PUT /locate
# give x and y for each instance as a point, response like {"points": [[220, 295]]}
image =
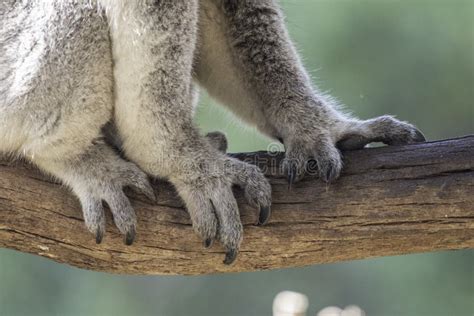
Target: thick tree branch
{"points": [[389, 201]]}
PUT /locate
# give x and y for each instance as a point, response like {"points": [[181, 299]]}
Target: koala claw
{"points": [[99, 235], [230, 256], [329, 169], [208, 243], [129, 236], [148, 191], [404, 133], [291, 175], [418, 136], [264, 215]]}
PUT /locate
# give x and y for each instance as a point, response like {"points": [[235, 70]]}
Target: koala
{"points": [[80, 77]]}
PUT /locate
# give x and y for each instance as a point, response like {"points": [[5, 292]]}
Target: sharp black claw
{"points": [[419, 137], [152, 196], [329, 175], [291, 177], [98, 236], [130, 237], [208, 243], [265, 212], [230, 256], [149, 192]]}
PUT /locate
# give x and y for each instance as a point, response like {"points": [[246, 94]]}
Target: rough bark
{"points": [[389, 201]]}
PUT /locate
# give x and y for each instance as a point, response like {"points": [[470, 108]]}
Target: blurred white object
{"points": [[351, 310], [330, 311], [289, 303]]}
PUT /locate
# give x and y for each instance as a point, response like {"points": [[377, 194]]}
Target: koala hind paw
{"points": [[108, 188]]}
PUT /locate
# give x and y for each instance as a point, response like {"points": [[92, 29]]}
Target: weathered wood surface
{"points": [[389, 201]]}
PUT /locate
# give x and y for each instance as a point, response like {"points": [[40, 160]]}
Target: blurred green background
{"points": [[412, 59]]}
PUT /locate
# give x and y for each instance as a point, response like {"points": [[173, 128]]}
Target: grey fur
{"points": [[75, 72]]}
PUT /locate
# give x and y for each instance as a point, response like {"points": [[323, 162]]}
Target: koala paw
{"points": [[104, 181], [212, 205], [310, 149], [317, 155]]}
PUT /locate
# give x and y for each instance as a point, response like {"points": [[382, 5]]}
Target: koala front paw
{"points": [[312, 149], [212, 205]]}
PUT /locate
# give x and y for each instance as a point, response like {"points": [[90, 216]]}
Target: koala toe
{"points": [[320, 158], [204, 219], [214, 212], [395, 132], [123, 213], [137, 180], [294, 165], [230, 228], [257, 189], [94, 216], [328, 161]]}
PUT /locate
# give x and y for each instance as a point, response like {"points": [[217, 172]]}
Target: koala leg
{"points": [[153, 112], [247, 61]]}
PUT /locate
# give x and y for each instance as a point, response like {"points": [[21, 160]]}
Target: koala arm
{"points": [[247, 61]]}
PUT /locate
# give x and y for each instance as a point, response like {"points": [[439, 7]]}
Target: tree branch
{"points": [[389, 201]]}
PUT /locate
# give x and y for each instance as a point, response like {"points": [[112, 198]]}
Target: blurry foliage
{"points": [[412, 59]]}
